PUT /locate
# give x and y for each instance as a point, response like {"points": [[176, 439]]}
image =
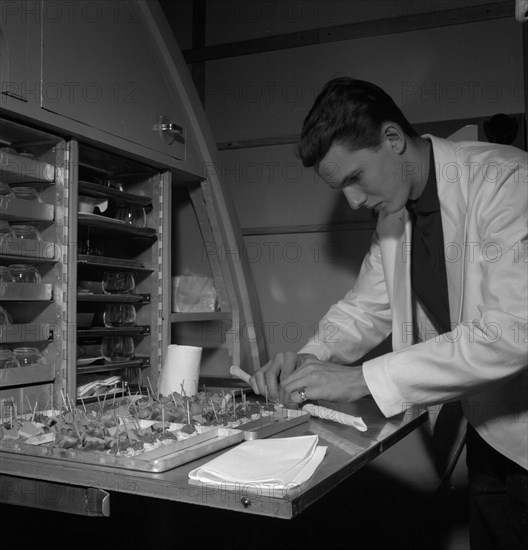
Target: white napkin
{"points": [[89, 389], [279, 463], [336, 416]]}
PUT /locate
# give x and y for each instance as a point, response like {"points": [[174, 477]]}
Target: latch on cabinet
{"points": [[169, 131]]}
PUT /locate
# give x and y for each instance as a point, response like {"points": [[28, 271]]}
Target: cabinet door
{"points": [[100, 69], [20, 53]]}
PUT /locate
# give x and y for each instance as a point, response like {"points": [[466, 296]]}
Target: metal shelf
{"points": [[27, 249], [114, 298], [19, 210], [96, 190], [26, 292], [26, 332], [22, 169], [106, 262], [120, 331], [136, 362], [23, 376], [109, 224], [95, 398], [200, 316]]}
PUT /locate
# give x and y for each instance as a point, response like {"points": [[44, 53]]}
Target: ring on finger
{"points": [[302, 395]]}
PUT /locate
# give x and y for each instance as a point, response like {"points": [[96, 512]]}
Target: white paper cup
{"points": [[181, 370]]}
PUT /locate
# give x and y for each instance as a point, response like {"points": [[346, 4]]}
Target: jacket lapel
{"points": [[395, 244]]}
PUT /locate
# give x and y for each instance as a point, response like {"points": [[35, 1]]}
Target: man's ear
{"points": [[394, 136]]}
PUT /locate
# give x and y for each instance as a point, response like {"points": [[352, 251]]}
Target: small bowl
{"points": [[26, 193], [29, 356], [24, 273], [26, 232], [7, 359]]}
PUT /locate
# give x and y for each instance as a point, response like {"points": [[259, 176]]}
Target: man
{"points": [[446, 273]]}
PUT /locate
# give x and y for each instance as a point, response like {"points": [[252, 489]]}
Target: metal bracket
{"points": [[35, 493]]}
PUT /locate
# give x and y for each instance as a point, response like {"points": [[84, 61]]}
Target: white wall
{"points": [[453, 72]]}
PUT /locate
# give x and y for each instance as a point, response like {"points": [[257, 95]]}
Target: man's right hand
{"points": [[266, 380]]}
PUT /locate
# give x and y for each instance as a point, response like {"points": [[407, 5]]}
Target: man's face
{"points": [[368, 177]]}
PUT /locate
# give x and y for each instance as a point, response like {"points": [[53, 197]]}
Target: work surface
{"points": [[67, 486]]}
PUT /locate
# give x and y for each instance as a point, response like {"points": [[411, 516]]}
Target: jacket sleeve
{"points": [[359, 321], [489, 346]]}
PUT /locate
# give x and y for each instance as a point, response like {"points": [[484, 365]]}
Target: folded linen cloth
{"points": [[276, 462], [91, 388], [336, 416]]}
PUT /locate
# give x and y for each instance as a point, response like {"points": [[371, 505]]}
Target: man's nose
{"points": [[355, 198]]}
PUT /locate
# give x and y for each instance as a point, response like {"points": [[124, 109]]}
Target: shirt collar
{"points": [[428, 201]]}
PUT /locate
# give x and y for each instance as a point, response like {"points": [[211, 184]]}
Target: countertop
{"points": [[86, 489]]}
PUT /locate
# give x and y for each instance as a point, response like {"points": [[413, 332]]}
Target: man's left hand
{"points": [[322, 380]]}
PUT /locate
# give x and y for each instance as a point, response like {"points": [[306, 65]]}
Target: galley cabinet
{"points": [[89, 162]]}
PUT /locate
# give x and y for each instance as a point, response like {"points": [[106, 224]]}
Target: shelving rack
{"points": [[36, 159], [119, 247]]}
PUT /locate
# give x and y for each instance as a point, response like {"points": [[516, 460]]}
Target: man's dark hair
{"points": [[350, 112]]}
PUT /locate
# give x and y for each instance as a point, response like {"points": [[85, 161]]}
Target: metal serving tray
{"points": [[276, 422], [161, 459]]}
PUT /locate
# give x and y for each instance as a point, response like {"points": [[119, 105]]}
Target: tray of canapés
{"points": [[142, 432]]}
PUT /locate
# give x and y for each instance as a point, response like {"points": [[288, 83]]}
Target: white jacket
{"points": [[483, 361]]}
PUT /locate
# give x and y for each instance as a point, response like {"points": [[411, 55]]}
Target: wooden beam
{"points": [[440, 128], [257, 142], [314, 228], [199, 29], [350, 31], [525, 65]]}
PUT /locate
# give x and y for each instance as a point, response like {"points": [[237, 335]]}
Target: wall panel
{"points": [[270, 187], [298, 276], [435, 74]]}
